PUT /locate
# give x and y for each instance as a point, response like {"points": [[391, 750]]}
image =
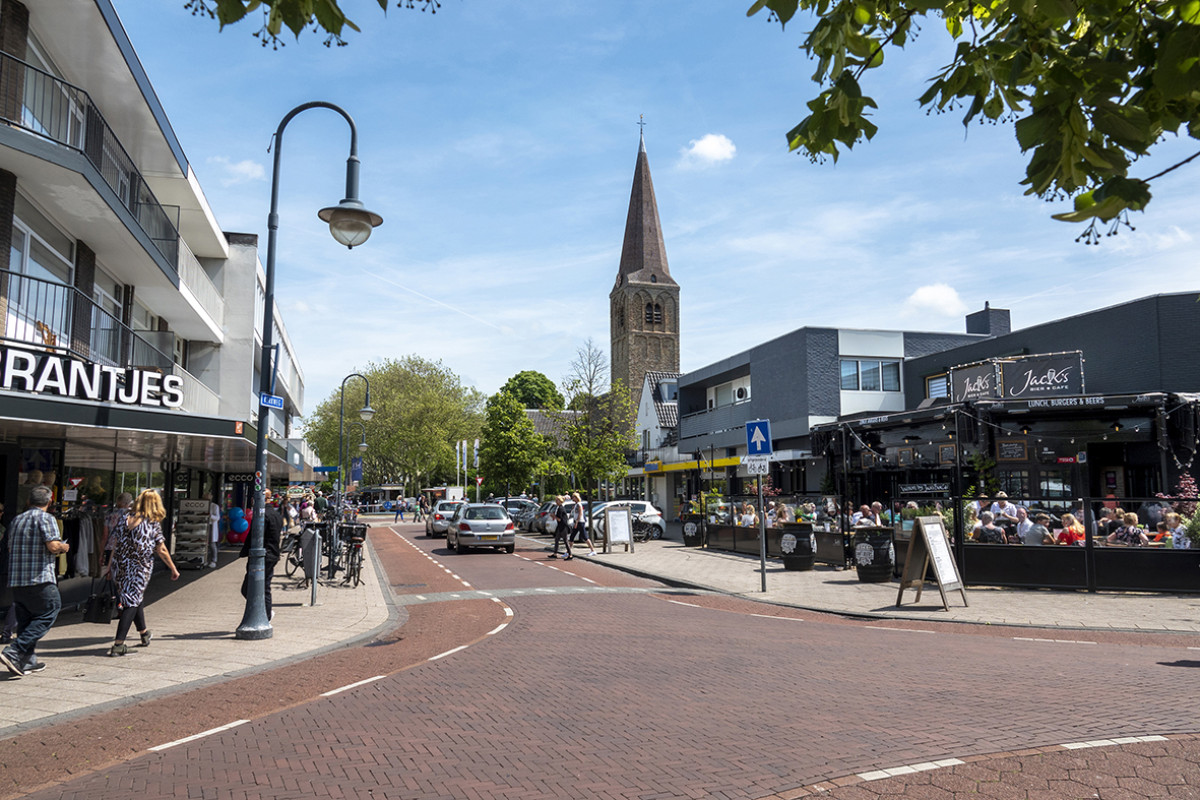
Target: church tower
{"points": [[644, 303]]}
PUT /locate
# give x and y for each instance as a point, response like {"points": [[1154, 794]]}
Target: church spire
{"points": [[643, 254]]}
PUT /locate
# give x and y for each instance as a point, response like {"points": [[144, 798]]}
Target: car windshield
{"points": [[488, 512], [448, 506]]}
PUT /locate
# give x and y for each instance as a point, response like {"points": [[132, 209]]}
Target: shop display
{"points": [[191, 534]]}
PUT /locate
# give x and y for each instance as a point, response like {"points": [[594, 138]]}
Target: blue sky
{"points": [[498, 141]]}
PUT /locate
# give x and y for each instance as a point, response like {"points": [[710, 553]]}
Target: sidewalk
{"points": [[193, 622], [826, 588]]}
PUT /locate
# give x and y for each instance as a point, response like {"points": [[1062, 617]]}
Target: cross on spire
{"points": [[642, 132]]}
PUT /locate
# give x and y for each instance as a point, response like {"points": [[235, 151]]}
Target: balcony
{"points": [[193, 278], [42, 104], [53, 316]]}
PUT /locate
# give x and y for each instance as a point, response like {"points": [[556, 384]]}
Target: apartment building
{"points": [[131, 322]]}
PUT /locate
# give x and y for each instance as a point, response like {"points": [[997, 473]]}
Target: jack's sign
{"points": [[63, 376]]}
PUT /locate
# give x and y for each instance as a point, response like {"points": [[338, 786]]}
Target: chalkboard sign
{"points": [[1007, 450], [618, 527], [929, 546]]}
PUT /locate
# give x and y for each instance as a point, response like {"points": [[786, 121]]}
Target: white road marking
{"points": [[772, 616], [689, 605], [201, 735], [589, 580], [449, 652], [1059, 641], [332, 692], [905, 630], [498, 629]]}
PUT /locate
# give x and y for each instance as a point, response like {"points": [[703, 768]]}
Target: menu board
{"points": [[930, 547], [1011, 450], [618, 527]]}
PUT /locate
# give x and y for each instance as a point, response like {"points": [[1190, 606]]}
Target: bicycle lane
{"points": [[53, 753]]}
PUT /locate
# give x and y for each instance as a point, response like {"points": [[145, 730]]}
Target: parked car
{"points": [[481, 525], [514, 505], [638, 511], [538, 524], [437, 519], [524, 518]]}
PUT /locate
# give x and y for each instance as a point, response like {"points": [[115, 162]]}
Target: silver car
{"points": [[481, 525], [437, 519]]}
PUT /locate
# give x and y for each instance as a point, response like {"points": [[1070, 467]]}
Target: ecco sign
{"points": [[62, 376]]}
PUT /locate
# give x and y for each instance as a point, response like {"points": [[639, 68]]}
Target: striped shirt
{"points": [[29, 562]]}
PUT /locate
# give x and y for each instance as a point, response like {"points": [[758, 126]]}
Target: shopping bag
{"points": [[101, 606]]}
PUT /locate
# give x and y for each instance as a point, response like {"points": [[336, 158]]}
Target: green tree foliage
{"points": [[534, 390], [511, 449], [602, 435], [421, 409], [296, 15], [1088, 85]]}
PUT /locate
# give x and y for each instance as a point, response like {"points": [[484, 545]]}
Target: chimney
{"points": [[990, 321]]}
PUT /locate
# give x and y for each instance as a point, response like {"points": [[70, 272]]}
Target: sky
{"points": [[498, 141]]}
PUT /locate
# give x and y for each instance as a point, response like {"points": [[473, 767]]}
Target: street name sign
{"points": [[270, 400]]}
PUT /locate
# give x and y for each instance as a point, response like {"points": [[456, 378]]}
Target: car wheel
{"points": [[510, 549], [461, 549], [449, 544]]}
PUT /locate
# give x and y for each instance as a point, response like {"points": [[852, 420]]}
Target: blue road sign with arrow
{"points": [[758, 437]]}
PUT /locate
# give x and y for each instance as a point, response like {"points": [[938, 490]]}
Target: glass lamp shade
{"points": [[366, 412], [350, 223], [362, 446]]}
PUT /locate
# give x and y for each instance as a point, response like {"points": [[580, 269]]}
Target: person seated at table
{"points": [[748, 519], [1161, 535], [1129, 533], [783, 515], [1024, 523], [1002, 510], [1179, 537], [1072, 530], [1100, 525], [987, 532], [1039, 532]]}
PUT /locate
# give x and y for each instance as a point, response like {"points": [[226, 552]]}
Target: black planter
{"points": [[798, 544], [874, 554], [693, 529]]}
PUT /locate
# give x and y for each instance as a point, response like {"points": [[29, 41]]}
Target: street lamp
{"points": [[366, 413], [351, 225]]}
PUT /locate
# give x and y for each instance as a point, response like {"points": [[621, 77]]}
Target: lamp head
{"points": [[349, 222], [362, 446], [366, 412]]}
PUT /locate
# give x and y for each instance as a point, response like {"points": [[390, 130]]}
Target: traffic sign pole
{"points": [[762, 534]]}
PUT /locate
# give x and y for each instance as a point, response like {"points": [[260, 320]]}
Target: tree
{"points": [[602, 435], [296, 15], [534, 390], [1088, 85], [421, 409], [511, 449]]}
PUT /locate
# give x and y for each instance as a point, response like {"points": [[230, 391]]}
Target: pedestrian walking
{"points": [[138, 539], [562, 528], [33, 549], [399, 511], [581, 532]]}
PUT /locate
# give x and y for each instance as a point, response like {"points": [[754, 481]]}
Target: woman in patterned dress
{"points": [[139, 538]]}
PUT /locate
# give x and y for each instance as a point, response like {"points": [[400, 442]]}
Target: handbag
{"points": [[101, 606]]}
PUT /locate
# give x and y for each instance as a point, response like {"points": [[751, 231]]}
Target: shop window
{"points": [[1013, 482], [870, 375], [1054, 485]]}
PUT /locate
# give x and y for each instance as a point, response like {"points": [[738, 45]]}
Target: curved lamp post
{"points": [[366, 412], [351, 225]]}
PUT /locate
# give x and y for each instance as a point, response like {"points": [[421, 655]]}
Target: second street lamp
{"points": [[350, 224]]}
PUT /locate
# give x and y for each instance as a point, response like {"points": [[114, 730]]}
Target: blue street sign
{"points": [[270, 401], [758, 437], [325, 469]]}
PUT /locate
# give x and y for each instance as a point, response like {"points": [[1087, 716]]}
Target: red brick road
{"points": [[623, 695]]}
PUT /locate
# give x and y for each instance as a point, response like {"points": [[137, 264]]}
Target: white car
{"points": [[639, 511]]}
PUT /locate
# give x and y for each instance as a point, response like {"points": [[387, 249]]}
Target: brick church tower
{"points": [[644, 303]]}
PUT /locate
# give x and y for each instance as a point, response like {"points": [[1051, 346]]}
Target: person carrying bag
{"points": [[101, 606]]}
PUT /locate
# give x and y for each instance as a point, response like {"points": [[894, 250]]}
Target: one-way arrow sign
{"points": [[758, 437]]}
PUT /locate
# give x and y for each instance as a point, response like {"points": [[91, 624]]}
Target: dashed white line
{"points": [[201, 735], [689, 605], [589, 580], [772, 616], [349, 686], [508, 612], [905, 630], [1111, 742], [448, 652], [1059, 641], [501, 627]]}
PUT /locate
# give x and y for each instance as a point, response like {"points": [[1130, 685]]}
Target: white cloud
{"points": [[243, 171], [710, 149], [934, 300]]}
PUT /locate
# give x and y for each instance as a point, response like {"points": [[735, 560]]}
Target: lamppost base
{"points": [[250, 632]]}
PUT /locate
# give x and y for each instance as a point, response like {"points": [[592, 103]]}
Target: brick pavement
{"points": [[635, 696]]}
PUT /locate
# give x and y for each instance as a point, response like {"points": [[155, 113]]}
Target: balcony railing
{"points": [[54, 316], [193, 276], [42, 104]]}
